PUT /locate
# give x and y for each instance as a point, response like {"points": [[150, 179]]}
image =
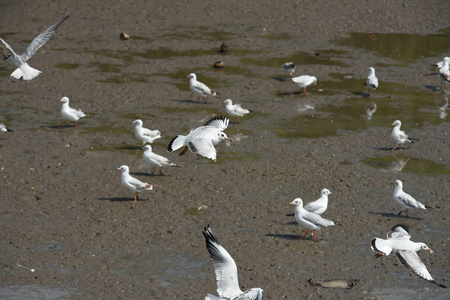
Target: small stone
{"points": [[124, 36]]}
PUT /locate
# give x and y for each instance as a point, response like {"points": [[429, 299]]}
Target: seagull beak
{"points": [[429, 250], [391, 183], [187, 77], [291, 203], [331, 193], [117, 169], [228, 139], [131, 122], [392, 124]]}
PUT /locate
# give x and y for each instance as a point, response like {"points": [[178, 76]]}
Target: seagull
{"points": [[288, 68], [372, 80], [304, 81], [226, 273], [201, 141], [144, 134], [399, 136], [132, 183], [444, 72], [399, 242], [235, 109], [320, 205], [70, 114], [156, 160], [23, 70], [199, 88], [403, 199], [309, 220], [3, 128], [441, 63]]}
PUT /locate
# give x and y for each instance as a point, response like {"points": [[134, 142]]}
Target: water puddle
{"points": [[67, 66], [403, 163], [404, 48]]}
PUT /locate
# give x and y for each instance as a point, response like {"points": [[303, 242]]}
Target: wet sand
{"points": [[69, 228]]}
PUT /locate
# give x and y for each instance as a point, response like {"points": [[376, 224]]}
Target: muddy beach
{"points": [[69, 229]]}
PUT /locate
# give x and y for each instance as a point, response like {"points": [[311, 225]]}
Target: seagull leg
{"points": [[394, 148], [75, 124], [315, 239], [135, 197], [60, 126], [306, 93], [403, 211], [306, 233], [184, 151], [160, 172], [378, 255]]}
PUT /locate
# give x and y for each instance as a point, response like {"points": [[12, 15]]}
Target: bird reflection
{"points": [[398, 164], [371, 108], [442, 106]]}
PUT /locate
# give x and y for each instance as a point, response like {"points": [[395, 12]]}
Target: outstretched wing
{"points": [[40, 40], [203, 147], [399, 231], [411, 261], [220, 122], [224, 266]]}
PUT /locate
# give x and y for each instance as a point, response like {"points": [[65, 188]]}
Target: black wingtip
{"points": [[220, 118], [404, 226], [169, 147]]}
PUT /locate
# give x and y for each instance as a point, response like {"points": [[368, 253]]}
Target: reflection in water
{"points": [[371, 108], [304, 108], [442, 106], [398, 164]]}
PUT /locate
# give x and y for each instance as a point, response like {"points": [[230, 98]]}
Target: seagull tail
{"points": [[381, 246], [25, 72], [176, 143]]}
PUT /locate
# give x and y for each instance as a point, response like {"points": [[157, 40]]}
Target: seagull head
{"points": [[397, 183], [222, 136], [228, 101], [424, 247], [397, 123], [137, 122], [64, 100], [122, 168], [192, 76], [147, 148], [297, 202], [326, 192]]}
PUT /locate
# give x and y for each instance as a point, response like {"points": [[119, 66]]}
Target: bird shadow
{"points": [[128, 148], [284, 236], [148, 174], [391, 215], [117, 199], [433, 88], [190, 101], [57, 126], [281, 79], [390, 149]]}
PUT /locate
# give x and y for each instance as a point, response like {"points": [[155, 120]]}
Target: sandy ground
{"points": [[69, 230]]}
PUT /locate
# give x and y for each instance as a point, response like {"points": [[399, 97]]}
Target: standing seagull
{"points": [[226, 273], [444, 72], [199, 87], [320, 205], [399, 136], [309, 220], [144, 134], [202, 140], [304, 81], [235, 109], [23, 70], [288, 68], [372, 80], [3, 128], [403, 199], [132, 183], [156, 160], [399, 242], [70, 114]]}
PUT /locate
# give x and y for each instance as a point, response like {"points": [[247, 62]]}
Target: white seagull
{"points": [[403, 199], [444, 72], [399, 242], [399, 136], [304, 81], [441, 63], [156, 160], [144, 134], [70, 114], [199, 87], [23, 70], [235, 110], [3, 128], [372, 80], [320, 205], [309, 220], [132, 183], [288, 68], [226, 273], [202, 140]]}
